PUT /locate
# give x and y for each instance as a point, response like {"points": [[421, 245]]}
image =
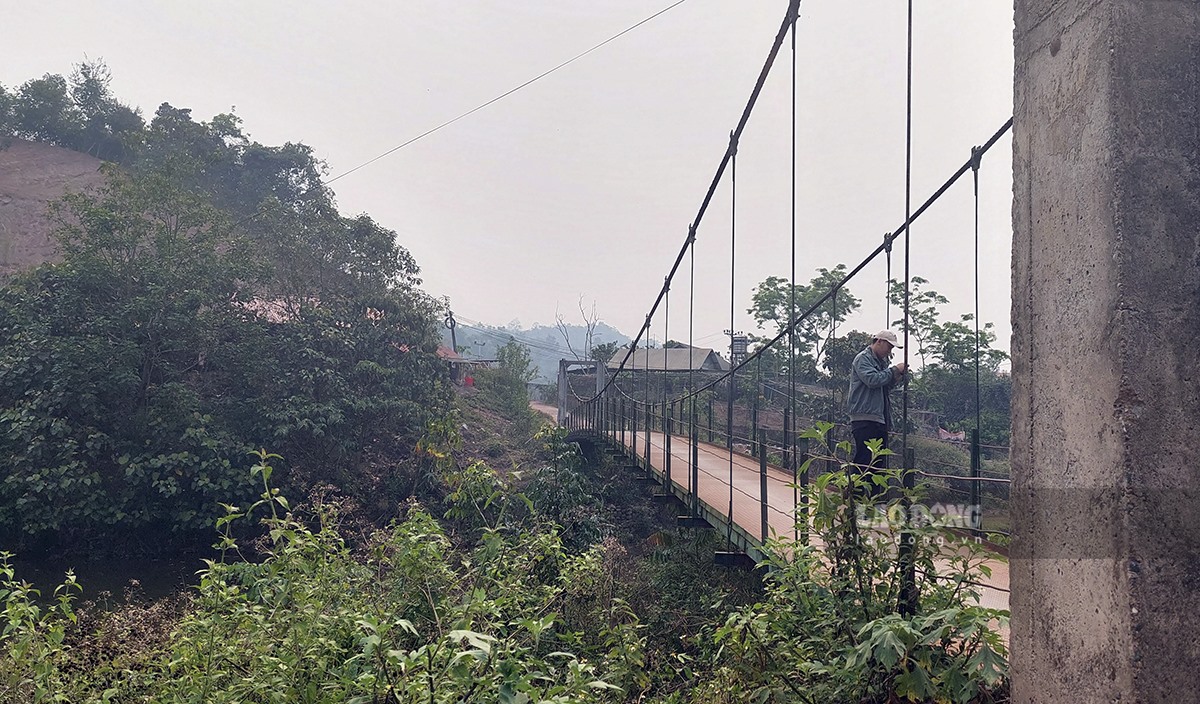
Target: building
{"points": [[670, 359]]}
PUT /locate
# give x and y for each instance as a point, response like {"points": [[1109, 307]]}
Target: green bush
{"points": [[502, 609], [506, 387], [832, 628], [136, 373], [409, 619]]}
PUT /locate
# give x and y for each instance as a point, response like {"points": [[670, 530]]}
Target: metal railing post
{"points": [[729, 413], [755, 431], [800, 478], [649, 423], [788, 450], [667, 446], [633, 421], [762, 482], [624, 423], [909, 597], [710, 418], [695, 464], [976, 499], [603, 410]]}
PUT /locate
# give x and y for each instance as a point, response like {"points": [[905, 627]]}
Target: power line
{"points": [[501, 334], [504, 336], [507, 93]]}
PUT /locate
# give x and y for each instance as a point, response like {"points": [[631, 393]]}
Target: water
{"points": [[154, 578]]}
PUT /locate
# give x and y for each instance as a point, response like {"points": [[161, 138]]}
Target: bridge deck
{"points": [[744, 501], [717, 502]]}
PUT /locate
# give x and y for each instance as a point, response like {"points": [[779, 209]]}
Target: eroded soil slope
{"points": [[32, 175]]}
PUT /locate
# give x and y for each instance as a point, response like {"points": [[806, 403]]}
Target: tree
{"points": [[946, 380], [103, 420], [589, 323], [923, 312], [772, 303], [841, 351], [952, 346], [515, 363], [604, 351], [78, 113], [210, 300], [6, 114], [507, 384], [108, 128], [43, 111], [277, 196]]}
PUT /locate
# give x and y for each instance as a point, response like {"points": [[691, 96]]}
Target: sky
{"points": [[581, 185]]}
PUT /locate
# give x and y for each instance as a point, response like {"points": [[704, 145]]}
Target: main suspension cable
{"points": [[793, 8], [841, 283], [884, 246]]}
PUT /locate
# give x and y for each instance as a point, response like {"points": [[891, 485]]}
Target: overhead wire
{"points": [[322, 184], [505, 94], [504, 335]]}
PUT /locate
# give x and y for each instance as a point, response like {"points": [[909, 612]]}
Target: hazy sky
{"points": [[583, 183]]}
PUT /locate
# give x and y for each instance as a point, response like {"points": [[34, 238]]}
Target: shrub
{"points": [[832, 628]]}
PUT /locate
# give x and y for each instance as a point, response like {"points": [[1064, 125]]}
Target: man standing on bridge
{"points": [[871, 382]]}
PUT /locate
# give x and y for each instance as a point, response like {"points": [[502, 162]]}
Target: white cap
{"points": [[889, 337]]}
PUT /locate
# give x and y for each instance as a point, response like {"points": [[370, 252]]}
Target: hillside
{"points": [[31, 175]]}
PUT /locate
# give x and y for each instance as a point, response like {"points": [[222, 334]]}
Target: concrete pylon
{"points": [[1105, 570]]}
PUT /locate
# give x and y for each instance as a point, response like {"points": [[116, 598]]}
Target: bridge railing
{"points": [[961, 473]]}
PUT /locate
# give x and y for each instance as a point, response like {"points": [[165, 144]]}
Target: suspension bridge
{"points": [[1105, 277], [745, 473], [1102, 499]]}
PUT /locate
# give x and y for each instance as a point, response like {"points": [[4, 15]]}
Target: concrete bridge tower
{"points": [[1106, 352]]}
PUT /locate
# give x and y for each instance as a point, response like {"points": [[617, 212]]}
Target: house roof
{"points": [[672, 359]]}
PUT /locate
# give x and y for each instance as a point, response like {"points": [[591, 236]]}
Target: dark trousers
{"points": [[864, 430]]}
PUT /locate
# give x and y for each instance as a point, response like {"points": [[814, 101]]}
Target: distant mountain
{"points": [[546, 343]]}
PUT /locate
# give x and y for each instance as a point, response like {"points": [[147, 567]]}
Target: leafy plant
{"points": [[832, 627], [31, 642], [210, 300], [407, 623]]}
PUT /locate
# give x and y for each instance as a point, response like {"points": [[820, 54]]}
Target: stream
{"points": [[154, 577]]}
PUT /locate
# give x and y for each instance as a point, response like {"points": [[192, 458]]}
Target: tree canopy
{"points": [[772, 304], [210, 300], [944, 381]]}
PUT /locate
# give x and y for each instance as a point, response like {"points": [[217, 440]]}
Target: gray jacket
{"points": [[871, 381]]}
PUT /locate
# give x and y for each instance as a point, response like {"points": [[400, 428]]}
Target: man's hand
{"points": [[899, 369]]}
